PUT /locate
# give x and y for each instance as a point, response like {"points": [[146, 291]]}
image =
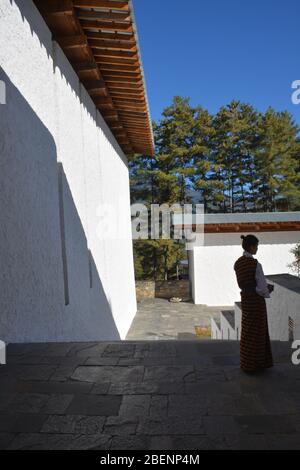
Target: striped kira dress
{"points": [[255, 344]]}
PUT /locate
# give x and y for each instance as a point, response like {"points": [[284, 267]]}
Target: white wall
{"points": [[284, 303], [50, 248], [214, 277]]}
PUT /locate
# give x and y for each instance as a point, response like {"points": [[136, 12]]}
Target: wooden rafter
{"points": [[251, 227], [112, 5], [103, 15], [99, 39], [107, 25]]}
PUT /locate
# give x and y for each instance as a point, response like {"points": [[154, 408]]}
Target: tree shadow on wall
{"points": [[43, 244]]}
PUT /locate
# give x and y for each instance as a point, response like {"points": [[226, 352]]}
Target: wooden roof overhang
{"points": [[100, 40], [251, 227]]}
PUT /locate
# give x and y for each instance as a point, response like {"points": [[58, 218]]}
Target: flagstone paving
{"points": [[163, 395], [159, 319]]}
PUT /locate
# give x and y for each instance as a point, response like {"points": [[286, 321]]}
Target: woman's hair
{"points": [[249, 240]]}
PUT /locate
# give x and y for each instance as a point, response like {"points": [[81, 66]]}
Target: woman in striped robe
{"points": [[255, 347]]}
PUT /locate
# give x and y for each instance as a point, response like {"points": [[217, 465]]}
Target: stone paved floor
{"points": [[158, 319], [164, 395]]}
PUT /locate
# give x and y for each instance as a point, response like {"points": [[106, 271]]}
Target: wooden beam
{"points": [[127, 99], [127, 150], [86, 66], [132, 115], [116, 54], [105, 35], [111, 5], [110, 114], [117, 126], [114, 45], [107, 25], [122, 74], [129, 114], [123, 141], [137, 125], [130, 103], [50, 8], [118, 68], [129, 80], [103, 107], [124, 92], [109, 119], [139, 139], [133, 119], [120, 133], [110, 67], [126, 85], [93, 86], [70, 42], [130, 92], [103, 15], [101, 101], [128, 125], [126, 122], [139, 133], [129, 107], [143, 151], [102, 60]]}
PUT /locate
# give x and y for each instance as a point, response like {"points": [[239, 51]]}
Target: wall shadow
{"points": [[32, 295]]}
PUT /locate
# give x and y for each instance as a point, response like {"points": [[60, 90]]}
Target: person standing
{"points": [[255, 346]]}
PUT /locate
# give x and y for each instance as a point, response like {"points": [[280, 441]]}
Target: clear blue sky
{"points": [[217, 50]]}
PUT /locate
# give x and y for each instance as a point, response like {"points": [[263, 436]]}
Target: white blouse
{"points": [[261, 283]]}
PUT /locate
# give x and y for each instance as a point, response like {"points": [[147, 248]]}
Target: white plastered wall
{"points": [[50, 127], [213, 279], [283, 304]]}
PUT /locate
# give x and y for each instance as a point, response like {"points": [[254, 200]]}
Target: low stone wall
{"points": [[145, 290], [162, 289]]}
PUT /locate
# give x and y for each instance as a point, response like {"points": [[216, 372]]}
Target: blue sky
{"points": [[217, 50]]}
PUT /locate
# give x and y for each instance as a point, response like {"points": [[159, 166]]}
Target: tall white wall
{"points": [[61, 277], [214, 280], [284, 303]]}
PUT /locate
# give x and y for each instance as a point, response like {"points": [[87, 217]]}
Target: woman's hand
{"points": [[271, 288]]}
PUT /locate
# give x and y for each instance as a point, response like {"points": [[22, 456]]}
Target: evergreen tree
{"points": [[276, 158], [238, 160], [295, 265]]}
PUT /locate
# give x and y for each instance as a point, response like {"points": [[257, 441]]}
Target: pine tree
{"points": [[239, 160], [277, 184], [295, 265]]}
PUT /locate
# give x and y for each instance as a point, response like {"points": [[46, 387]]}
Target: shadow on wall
{"points": [[35, 27], [50, 287]]}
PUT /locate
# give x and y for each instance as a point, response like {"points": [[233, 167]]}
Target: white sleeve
{"points": [[261, 283]]}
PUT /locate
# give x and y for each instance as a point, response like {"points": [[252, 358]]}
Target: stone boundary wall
{"points": [[162, 289]]}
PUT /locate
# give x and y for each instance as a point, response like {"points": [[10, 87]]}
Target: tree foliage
{"points": [[238, 160]]}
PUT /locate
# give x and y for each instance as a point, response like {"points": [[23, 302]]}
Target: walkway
{"points": [[146, 395], [159, 319]]}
